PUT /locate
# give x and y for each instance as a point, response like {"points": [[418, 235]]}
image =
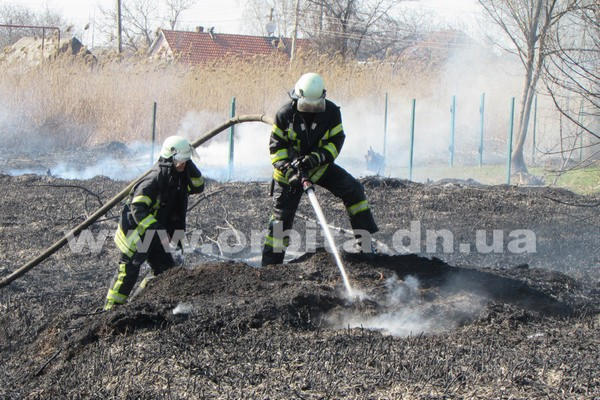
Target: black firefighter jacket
{"points": [[297, 134], [158, 201]]}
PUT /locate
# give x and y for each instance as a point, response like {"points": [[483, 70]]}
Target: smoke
{"points": [[183, 308], [113, 160], [19, 134], [405, 310], [109, 167], [251, 161], [468, 71], [466, 74]]}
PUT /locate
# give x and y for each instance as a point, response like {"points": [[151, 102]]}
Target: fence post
{"points": [[452, 127], [231, 138], [534, 129], [510, 139], [412, 139], [153, 133], [481, 120], [385, 123]]}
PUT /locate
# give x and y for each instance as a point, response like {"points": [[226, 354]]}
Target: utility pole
{"points": [[119, 43], [93, 27], [293, 52], [321, 19]]}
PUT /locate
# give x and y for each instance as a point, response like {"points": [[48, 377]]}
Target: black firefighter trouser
{"points": [[341, 184], [129, 269]]}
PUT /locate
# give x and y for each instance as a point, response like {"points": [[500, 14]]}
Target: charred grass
{"points": [[507, 325]]}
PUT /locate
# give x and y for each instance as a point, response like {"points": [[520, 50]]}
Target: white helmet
{"points": [[177, 147], [310, 92]]}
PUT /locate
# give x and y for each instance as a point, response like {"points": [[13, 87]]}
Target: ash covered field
{"points": [[435, 324]]}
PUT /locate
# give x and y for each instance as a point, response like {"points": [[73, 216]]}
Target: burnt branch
{"points": [[591, 205], [88, 191]]}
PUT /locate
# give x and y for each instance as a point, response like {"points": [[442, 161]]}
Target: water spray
{"points": [[307, 185]]}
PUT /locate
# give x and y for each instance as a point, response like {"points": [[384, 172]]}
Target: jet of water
{"points": [[310, 191]]}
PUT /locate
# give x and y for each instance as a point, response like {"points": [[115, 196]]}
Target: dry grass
{"points": [[73, 103]]}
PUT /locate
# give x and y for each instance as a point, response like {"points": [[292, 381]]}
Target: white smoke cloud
{"points": [[251, 161], [183, 308], [109, 167], [404, 312], [467, 73]]}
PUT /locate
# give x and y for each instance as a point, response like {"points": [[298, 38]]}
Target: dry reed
{"points": [[75, 103]]}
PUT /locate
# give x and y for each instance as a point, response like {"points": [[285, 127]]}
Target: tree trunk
{"points": [[518, 160], [531, 78]]}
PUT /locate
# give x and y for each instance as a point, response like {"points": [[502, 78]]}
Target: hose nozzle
{"points": [[305, 182]]}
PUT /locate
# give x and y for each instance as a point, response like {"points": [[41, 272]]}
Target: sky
{"points": [[224, 15], [227, 15]]}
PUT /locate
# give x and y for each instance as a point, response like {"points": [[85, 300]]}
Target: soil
{"points": [[427, 324]]}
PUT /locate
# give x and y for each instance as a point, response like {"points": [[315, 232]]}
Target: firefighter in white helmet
{"points": [[154, 212], [305, 141]]}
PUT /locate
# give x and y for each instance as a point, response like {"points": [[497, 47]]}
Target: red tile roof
{"points": [[198, 47]]}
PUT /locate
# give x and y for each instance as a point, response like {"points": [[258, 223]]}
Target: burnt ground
{"points": [[432, 325]]}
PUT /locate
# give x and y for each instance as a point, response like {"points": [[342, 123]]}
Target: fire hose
{"points": [[121, 195]]}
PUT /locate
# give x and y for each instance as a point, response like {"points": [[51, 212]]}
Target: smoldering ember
{"points": [[495, 325]]}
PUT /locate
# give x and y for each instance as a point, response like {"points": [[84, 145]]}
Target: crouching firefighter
{"points": [[305, 141], [154, 212]]}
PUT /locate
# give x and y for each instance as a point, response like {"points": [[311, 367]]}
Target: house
{"points": [[204, 46]]}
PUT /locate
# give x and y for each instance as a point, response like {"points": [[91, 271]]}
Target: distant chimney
{"points": [[270, 27], [199, 29]]}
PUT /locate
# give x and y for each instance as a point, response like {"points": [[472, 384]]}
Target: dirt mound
{"points": [[252, 321], [303, 295], [32, 51]]}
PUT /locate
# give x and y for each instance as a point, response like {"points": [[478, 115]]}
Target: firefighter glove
{"points": [[292, 174], [295, 180], [307, 162]]}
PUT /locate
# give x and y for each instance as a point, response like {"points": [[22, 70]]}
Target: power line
{"points": [[416, 42]]}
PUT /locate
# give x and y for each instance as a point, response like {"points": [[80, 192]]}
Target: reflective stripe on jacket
{"points": [[158, 201], [292, 135]]}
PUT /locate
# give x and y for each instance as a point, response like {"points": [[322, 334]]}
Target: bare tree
{"points": [[573, 67], [139, 20], [175, 8], [359, 29], [19, 15], [528, 24], [352, 28], [261, 12], [337, 22]]}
